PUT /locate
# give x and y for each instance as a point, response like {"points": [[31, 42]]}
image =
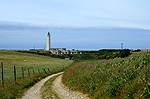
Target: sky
{"points": [[78, 24]]}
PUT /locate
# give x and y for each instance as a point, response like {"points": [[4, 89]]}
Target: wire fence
{"points": [[25, 72]]}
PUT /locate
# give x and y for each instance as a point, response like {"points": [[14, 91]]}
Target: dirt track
{"points": [[65, 93], [34, 91], [58, 87]]}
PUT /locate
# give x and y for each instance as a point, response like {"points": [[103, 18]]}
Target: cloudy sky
{"points": [[79, 24]]}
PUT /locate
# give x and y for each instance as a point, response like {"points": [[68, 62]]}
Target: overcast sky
{"points": [[79, 24]]}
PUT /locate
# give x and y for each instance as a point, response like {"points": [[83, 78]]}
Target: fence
{"points": [[45, 71]]}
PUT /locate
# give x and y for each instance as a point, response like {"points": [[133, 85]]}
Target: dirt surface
{"points": [[64, 93], [34, 91]]}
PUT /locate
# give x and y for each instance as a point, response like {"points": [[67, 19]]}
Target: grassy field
{"points": [[120, 78], [27, 60]]}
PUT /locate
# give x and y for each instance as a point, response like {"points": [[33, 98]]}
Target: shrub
{"points": [[124, 53], [138, 50]]}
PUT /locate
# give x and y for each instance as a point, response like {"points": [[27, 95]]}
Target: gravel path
{"points": [[34, 91], [65, 93]]}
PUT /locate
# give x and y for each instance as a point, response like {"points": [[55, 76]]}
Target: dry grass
{"points": [[145, 50]]}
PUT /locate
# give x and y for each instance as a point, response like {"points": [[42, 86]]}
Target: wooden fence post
{"points": [[33, 72], [22, 73], [14, 75], [48, 70], [43, 70], [2, 75], [39, 71], [28, 73]]}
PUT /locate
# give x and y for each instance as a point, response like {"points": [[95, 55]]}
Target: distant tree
{"points": [[138, 50], [124, 53]]}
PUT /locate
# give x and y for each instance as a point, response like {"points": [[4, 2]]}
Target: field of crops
{"points": [[115, 78]]}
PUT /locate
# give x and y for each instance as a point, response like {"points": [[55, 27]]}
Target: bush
{"points": [[124, 53], [138, 50]]}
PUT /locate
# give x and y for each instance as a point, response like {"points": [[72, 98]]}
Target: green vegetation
{"points": [[119, 78], [87, 55], [146, 94], [11, 90], [46, 91], [28, 60], [124, 53], [25, 60]]}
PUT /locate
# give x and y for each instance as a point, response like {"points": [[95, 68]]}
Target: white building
{"points": [[58, 50], [63, 51], [48, 41]]}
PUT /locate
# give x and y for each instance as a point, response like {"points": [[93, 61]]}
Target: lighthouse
{"points": [[48, 41]]}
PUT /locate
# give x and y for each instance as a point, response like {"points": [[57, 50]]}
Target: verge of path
{"points": [[65, 93], [34, 91]]}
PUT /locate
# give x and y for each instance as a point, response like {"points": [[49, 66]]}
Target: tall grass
{"points": [[11, 90], [116, 78]]}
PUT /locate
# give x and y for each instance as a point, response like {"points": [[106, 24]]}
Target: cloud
{"points": [[24, 35], [20, 25], [76, 12]]}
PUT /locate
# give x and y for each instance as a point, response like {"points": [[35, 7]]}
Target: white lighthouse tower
{"points": [[48, 41]]}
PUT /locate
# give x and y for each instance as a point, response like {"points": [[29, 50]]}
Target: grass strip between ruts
{"points": [[46, 90]]}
